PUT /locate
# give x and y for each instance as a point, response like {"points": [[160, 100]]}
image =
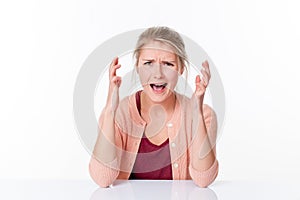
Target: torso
{"points": [[156, 118], [159, 138], [153, 159]]}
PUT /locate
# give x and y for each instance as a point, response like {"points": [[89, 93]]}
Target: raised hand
{"points": [[114, 84], [201, 84], [114, 80]]}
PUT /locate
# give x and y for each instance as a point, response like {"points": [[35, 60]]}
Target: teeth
{"points": [[162, 85], [158, 87]]}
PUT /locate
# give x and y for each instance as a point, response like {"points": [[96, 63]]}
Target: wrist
{"points": [[109, 112]]}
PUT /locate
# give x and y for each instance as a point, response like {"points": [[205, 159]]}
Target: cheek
{"points": [[144, 75], [172, 76]]}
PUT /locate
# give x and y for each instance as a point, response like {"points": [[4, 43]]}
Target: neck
{"points": [[168, 104]]}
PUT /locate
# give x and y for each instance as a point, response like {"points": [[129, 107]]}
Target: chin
{"points": [[158, 98]]}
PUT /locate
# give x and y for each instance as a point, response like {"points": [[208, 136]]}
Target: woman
{"points": [[156, 133]]}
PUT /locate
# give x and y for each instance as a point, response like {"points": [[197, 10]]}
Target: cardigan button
{"points": [[173, 144], [175, 165], [169, 125]]}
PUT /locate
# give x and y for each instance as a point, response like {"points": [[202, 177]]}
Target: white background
{"points": [[254, 44]]}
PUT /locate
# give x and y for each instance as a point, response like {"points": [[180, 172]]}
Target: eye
{"points": [[147, 63], [168, 64]]}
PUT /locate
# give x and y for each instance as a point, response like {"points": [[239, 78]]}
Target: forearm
{"points": [[203, 153], [103, 165], [204, 165], [104, 149]]}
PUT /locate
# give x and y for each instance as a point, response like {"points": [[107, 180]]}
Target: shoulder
{"points": [[187, 102], [187, 106], [127, 112], [183, 101], [210, 119], [124, 106], [208, 112], [128, 118]]}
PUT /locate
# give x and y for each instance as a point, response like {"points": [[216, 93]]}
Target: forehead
{"points": [[156, 48]]}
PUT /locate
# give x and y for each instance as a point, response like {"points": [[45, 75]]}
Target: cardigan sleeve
{"points": [[205, 178], [104, 174]]}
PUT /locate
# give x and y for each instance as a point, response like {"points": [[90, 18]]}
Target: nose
{"points": [[157, 71]]}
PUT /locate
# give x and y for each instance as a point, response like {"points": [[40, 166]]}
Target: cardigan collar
{"points": [[139, 121]]}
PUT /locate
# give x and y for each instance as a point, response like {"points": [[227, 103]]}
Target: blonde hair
{"points": [[167, 36]]}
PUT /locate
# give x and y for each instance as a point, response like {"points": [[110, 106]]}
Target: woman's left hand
{"points": [[201, 84]]}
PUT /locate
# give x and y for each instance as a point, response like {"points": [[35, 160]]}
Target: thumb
{"points": [[197, 82]]}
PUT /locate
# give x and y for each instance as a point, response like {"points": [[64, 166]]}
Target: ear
{"points": [[180, 65], [181, 70]]}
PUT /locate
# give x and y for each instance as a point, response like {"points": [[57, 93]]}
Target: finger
{"points": [[113, 71], [113, 63], [206, 73], [205, 77], [205, 64], [202, 87], [197, 82], [117, 80], [201, 90], [120, 82]]}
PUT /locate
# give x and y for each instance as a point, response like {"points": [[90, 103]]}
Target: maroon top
{"points": [[152, 161]]}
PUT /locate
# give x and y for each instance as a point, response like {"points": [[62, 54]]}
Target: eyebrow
{"points": [[169, 61], [150, 59]]}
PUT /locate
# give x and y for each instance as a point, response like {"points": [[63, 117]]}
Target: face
{"points": [[158, 69]]}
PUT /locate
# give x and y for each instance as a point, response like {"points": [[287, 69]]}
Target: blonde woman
{"points": [[156, 133]]}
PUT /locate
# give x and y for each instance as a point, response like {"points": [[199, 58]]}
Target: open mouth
{"points": [[158, 88]]}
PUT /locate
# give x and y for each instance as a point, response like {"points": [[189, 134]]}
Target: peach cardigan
{"points": [[129, 128]]}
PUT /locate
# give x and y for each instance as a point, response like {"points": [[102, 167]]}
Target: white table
{"points": [[123, 190]]}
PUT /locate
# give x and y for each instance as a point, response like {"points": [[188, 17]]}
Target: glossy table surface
{"points": [[146, 189]]}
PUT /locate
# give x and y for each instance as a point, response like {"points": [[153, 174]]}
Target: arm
{"points": [[104, 165], [204, 166]]}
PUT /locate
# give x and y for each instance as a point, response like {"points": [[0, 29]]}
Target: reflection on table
{"points": [[146, 189], [138, 189]]}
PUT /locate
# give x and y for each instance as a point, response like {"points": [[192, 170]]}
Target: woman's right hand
{"points": [[114, 84], [114, 80]]}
